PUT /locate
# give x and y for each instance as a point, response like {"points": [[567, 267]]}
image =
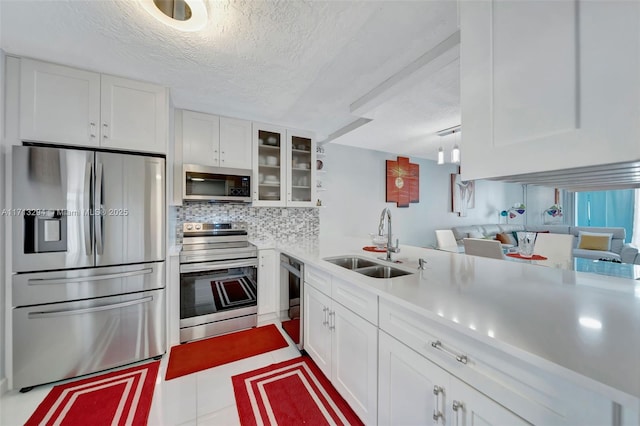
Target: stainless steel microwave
{"points": [[216, 183]]}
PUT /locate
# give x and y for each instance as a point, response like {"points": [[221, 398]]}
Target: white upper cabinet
{"points": [[548, 85], [134, 115], [269, 165], [200, 138], [235, 143], [301, 169], [59, 104], [210, 140], [284, 163], [68, 106]]}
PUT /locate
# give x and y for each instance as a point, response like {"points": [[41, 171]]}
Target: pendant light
{"points": [[455, 152]]}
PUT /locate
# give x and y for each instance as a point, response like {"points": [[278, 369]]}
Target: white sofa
{"points": [[620, 251]]}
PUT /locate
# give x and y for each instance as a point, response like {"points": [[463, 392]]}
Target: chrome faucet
{"points": [[390, 248]]}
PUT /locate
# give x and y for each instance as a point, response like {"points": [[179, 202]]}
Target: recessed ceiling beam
{"points": [[426, 65], [346, 129]]}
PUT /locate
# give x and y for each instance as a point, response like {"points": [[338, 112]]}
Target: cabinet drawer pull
{"points": [[460, 358]]}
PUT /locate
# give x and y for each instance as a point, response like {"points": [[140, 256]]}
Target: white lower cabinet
{"points": [[411, 389], [317, 334], [344, 346], [415, 391], [354, 360], [267, 285], [471, 407]]}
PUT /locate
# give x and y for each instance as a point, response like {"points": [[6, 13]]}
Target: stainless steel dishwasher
{"points": [[291, 297]]}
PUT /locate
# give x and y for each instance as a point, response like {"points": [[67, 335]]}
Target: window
{"points": [[606, 208]]}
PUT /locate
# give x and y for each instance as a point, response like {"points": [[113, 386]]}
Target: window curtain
{"points": [[635, 238]]}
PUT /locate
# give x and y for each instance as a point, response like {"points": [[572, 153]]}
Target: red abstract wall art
{"points": [[403, 179]]}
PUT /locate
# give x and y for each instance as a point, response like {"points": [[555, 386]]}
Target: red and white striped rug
{"points": [[118, 398], [290, 393]]}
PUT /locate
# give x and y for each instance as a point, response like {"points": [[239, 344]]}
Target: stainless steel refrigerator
{"points": [[88, 260]]}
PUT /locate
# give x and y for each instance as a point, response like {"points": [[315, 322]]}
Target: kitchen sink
{"points": [[367, 267], [381, 271], [351, 262]]}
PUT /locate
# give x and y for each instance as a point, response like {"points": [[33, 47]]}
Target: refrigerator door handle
{"points": [[53, 314], [99, 208], [50, 281], [88, 214]]}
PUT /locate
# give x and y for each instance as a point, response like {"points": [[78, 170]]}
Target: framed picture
{"points": [[463, 194], [403, 182]]}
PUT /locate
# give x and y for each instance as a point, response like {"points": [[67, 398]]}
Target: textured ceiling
{"points": [[295, 63]]}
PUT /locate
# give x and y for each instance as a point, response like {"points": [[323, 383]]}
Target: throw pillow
{"points": [[594, 241], [476, 234], [506, 238]]}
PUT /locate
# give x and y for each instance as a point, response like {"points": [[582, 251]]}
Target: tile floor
{"points": [[202, 398]]}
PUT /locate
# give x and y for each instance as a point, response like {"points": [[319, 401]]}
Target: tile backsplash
{"points": [[262, 222]]}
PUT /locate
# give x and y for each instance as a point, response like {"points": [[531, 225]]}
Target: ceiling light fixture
{"points": [[184, 15], [455, 152]]}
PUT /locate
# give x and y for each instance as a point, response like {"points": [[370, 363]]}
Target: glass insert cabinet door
{"points": [[269, 160], [301, 178]]}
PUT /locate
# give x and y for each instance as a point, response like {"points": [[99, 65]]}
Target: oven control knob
{"points": [[198, 227], [189, 227]]}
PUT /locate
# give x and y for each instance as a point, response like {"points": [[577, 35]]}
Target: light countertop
{"points": [[583, 326]]}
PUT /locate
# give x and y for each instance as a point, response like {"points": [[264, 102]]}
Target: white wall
{"points": [[540, 198], [2, 223], [355, 197]]}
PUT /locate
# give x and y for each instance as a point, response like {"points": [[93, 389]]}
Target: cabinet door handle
{"points": [[92, 130], [437, 413], [105, 127], [326, 321], [460, 358], [457, 407], [332, 320]]}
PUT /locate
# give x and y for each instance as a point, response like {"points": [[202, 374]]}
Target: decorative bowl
{"points": [[380, 241]]}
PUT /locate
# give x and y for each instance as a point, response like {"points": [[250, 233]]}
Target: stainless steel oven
{"points": [[218, 280]]}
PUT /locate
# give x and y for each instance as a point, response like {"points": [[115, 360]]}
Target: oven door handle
{"points": [[214, 266]]}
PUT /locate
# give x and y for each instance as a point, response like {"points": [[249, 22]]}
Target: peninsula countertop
{"points": [[583, 326]]}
